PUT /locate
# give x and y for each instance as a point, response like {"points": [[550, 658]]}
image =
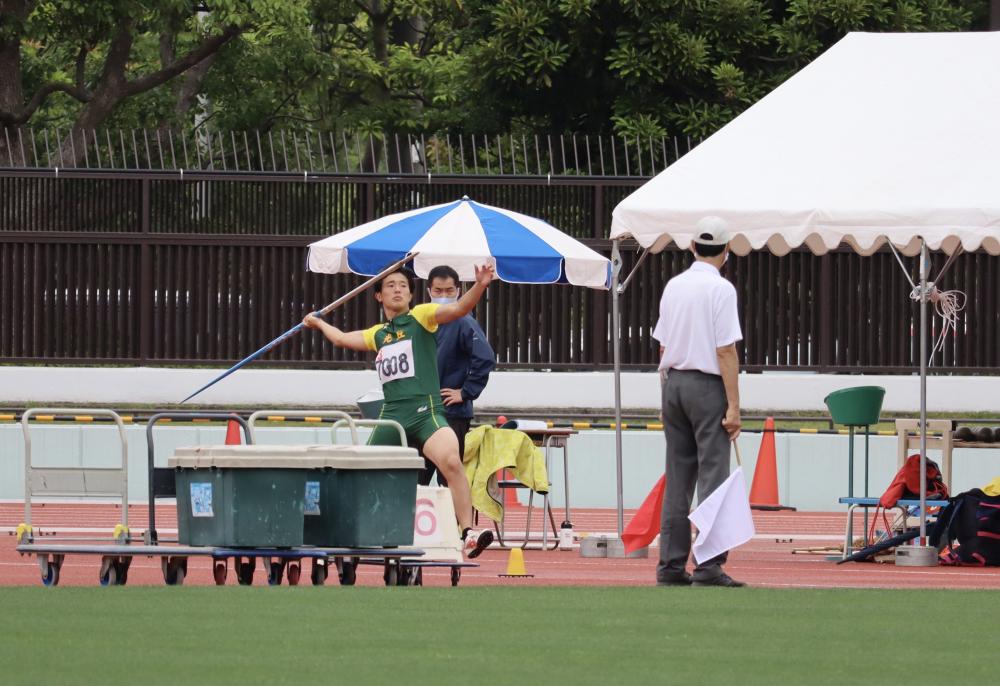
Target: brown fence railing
{"points": [[153, 268]]}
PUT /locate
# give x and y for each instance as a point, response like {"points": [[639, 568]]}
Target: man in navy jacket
{"points": [[465, 360]]}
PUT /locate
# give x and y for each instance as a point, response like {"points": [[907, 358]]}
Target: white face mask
{"points": [[444, 301]]}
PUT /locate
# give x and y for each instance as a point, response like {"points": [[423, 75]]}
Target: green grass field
{"points": [[499, 635]]}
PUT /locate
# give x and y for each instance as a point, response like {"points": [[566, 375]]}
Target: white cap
{"points": [[711, 230]]}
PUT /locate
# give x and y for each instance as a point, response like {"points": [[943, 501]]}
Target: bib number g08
{"points": [[395, 362]]}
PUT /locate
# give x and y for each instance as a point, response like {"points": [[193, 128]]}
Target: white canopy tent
{"points": [[884, 138]]}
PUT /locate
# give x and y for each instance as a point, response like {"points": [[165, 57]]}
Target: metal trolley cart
{"points": [[116, 560], [73, 482], [410, 571]]}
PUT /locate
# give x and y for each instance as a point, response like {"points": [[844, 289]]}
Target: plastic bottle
{"points": [[566, 536]]}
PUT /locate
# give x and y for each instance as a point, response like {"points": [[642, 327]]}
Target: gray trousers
{"points": [[694, 404]]}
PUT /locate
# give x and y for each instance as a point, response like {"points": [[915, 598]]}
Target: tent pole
{"points": [[638, 263], [923, 391], [616, 266]]}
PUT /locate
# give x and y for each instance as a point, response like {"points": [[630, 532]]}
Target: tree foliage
{"points": [[635, 67]]}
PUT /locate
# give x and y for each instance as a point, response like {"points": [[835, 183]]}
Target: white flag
{"points": [[723, 519]]}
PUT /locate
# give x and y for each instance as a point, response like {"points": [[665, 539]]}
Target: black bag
{"points": [[972, 519]]}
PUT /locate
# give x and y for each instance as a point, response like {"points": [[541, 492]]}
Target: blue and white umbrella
{"points": [[463, 234], [460, 234]]}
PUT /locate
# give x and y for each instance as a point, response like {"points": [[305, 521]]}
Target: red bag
{"points": [[906, 484]]}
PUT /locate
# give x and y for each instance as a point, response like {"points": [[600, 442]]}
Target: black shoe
{"points": [[722, 580], [682, 579]]}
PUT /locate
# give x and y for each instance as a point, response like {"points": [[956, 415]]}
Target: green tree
{"points": [[670, 66], [635, 67], [77, 62]]}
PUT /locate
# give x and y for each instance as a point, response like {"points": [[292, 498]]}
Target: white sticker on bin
{"points": [[312, 498], [201, 499]]}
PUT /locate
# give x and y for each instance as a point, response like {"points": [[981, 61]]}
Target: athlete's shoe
{"points": [[476, 542]]}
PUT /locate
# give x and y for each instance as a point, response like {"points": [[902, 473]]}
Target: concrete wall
{"points": [[812, 469], [506, 392]]}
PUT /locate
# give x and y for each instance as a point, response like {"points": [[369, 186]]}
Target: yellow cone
{"points": [[515, 564]]}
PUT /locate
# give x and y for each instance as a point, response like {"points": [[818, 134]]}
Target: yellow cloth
{"points": [[993, 487], [488, 450]]}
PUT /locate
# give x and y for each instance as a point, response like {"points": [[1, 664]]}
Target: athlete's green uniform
{"points": [[407, 367]]}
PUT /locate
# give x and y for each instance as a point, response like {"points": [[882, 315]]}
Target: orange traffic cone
{"points": [[233, 433], [509, 494], [764, 489]]}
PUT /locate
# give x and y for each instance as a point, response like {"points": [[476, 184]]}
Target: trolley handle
{"points": [[26, 431], [341, 416], [391, 423], [151, 467]]}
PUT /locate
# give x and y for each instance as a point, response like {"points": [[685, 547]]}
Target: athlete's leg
{"points": [[384, 435], [442, 449]]}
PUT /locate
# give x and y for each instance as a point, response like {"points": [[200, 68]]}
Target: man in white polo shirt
{"points": [[698, 329]]}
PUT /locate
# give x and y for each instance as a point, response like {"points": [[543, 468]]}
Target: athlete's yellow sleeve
{"points": [[369, 335], [425, 315]]}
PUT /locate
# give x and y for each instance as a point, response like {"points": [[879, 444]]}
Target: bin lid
{"points": [[297, 457]]}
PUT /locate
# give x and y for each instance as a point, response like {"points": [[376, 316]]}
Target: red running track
{"points": [[766, 561]]}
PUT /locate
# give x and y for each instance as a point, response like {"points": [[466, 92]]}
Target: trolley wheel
{"points": [[51, 576], [320, 570], [411, 576], [174, 570], [275, 571], [294, 573], [348, 573], [220, 570], [391, 574], [456, 575], [245, 570], [123, 563], [109, 572], [50, 568]]}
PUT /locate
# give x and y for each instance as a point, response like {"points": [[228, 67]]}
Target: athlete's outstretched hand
{"points": [[485, 274]]}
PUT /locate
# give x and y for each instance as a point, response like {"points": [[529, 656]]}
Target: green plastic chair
{"points": [[854, 407]]}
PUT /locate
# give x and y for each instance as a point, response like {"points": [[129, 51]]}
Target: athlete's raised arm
{"points": [[352, 340], [465, 304]]}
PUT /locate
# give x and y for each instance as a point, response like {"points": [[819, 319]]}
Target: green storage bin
{"points": [[370, 404], [858, 406], [246, 496], [364, 497]]}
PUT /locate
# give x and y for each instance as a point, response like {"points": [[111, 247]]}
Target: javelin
{"points": [[295, 329]]}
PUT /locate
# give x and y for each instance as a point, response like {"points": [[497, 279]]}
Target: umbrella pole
{"points": [[616, 265], [616, 548], [923, 392], [921, 554], [295, 329]]}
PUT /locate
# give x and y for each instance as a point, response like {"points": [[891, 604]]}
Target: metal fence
{"points": [[156, 268], [309, 150]]}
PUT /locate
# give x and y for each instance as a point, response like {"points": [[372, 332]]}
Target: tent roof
{"points": [[882, 137]]}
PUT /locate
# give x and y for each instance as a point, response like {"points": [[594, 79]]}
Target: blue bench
{"points": [[853, 503]]}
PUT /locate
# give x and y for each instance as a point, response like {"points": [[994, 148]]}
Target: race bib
{"points": [[395, 362]]}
